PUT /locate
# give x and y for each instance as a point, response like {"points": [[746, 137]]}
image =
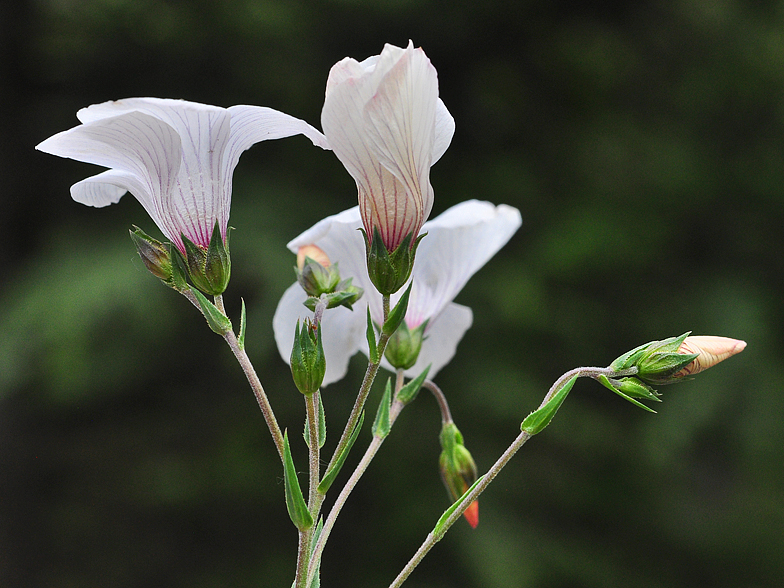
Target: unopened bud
{"points": [[458, 470], [404, 345], [154, 254], [315, 273], [308, 364]]}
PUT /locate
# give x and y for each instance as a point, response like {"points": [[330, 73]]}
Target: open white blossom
{"points": [[458, 243], [176, 157]]}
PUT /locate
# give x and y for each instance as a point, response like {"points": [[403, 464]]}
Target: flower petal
{"points": [[458, 243], [441, 341], [105, 188], [342, 330], [445, 130], [197, 200], [146, 151]]}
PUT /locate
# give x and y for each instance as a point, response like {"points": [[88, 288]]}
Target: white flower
{"points": [[458, 243], [176, 157], [386, 124]]}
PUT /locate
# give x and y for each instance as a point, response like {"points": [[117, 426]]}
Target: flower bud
{"points": [[404, 345], [458, 470], [670, 360], [315, 273], [308, 364], [154, 254]]}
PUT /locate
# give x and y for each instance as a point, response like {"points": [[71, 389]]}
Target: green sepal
{"points": [[330, 476], [397, 314], [604, 381], [217, 321], [381, 423], [322, 425], [408, 392], [334, 299], [536, 421], [373, 354], [210, 268], [241, 336], [389, 271], [295, 502], [179, 280], [656, 361], [439, 530]]}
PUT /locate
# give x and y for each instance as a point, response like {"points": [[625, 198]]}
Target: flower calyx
{"points": [[389, 271], [308, 364], [404, 345], [209, 267], [458, 469]]}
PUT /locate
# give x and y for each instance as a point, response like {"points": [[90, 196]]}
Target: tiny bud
{"points": [[315, 273], [458, 470], [308, 364], [710, 350], [404, 345], [154, 254]]}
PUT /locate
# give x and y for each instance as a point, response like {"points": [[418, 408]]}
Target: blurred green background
{"points": [[643, 143]]}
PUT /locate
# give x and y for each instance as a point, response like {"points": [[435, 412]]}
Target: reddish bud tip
{"points": [[471, 514]]}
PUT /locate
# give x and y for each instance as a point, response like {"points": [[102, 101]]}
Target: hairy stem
{"points": [[362, 466], [433, 537]]}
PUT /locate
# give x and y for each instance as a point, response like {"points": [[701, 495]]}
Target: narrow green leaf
{"points": [[408, 392], [536, 421], [241, 336], [371, 339], [330, 476], [322, 422], [381, 424], [217, 321], [604, 381], [316, 583], [398, 313], [295, 502], [439, 530]]}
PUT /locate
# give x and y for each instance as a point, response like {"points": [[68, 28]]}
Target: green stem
{"points": [[364, 390], [433, 538]]}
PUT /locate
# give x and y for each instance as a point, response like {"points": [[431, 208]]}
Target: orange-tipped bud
{"points": [[710, 350], [315, 253]]}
